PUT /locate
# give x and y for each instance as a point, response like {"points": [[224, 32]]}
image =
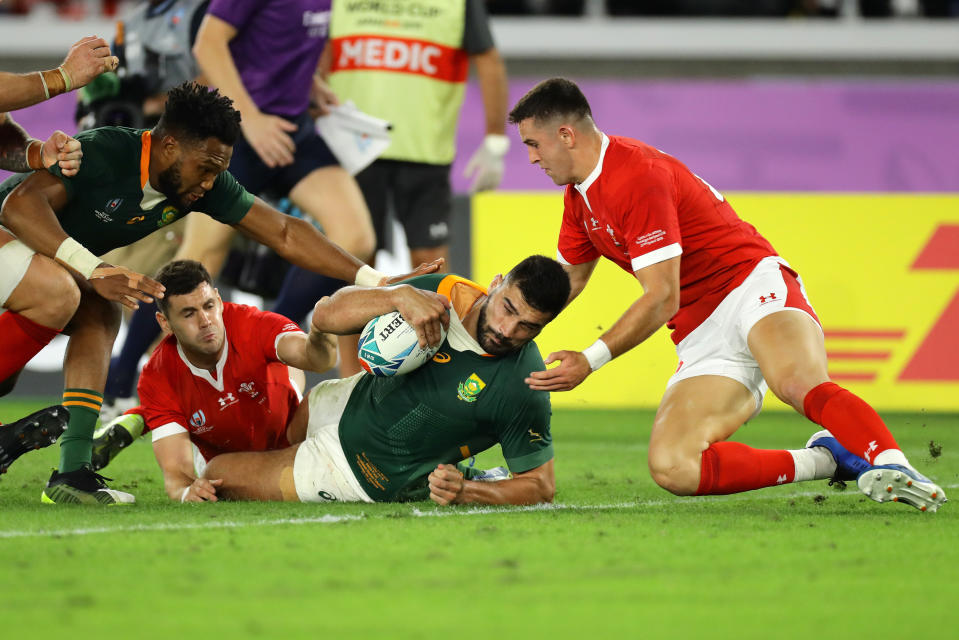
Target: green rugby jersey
{"points": [[105, 199], [394, 431]]}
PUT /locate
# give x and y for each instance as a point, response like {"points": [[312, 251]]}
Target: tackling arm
{"points": [[653, 309], [174, 454], [30, 213], [447, 486], [315, 351], [298, 241], [579, 275]]}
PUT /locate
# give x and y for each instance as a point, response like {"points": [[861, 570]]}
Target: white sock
{"points": [[814, 463], [892, 456]]}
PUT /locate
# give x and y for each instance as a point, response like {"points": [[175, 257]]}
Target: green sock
{"points": [[76, 443]]}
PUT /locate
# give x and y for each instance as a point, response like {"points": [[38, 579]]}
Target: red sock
{"points": [[731, 467], [854, 423], [20, 340]]}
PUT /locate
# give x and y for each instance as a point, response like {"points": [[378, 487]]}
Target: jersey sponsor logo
{"points": [[469, 389], [439, 231], [226, 401], [136, 219], [534, 437], [169, 215], [766, 299], [103, 216], [400, 55], [442, 357], [292, 326], [248, 389], [317, 23]]}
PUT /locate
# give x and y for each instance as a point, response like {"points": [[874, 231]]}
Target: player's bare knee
{"points": [[676, 474], [792, 389], [56, 300], [94, 311]]}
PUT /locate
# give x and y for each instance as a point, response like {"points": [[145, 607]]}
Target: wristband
{"points": [[46, 89], [367, 276], [39, 156], [186, 490], [597, 354], [75, 255], [66, 78]]}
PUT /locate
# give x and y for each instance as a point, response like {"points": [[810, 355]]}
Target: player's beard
{"points": [[485, 336], [171, 185]]}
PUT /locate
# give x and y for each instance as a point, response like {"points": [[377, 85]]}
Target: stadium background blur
{"points": [[831, 125]]}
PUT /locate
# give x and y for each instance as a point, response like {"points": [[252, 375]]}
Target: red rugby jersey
{"points": [[245, 406], [641, 206]]}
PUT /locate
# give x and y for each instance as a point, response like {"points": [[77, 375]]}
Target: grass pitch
{"points": [[614, 555]]}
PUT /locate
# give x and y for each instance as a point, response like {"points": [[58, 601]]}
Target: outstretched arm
{"points": [[174, 454], [653, 309], [447, 486], [315, 351], [87, 58]]}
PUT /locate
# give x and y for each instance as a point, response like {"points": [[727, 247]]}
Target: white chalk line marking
{"points": [[416, 512]]}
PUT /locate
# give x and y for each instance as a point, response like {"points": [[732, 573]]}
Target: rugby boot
{"points": [[898, 483], [37, 430], [111, 438], [82, 486]]}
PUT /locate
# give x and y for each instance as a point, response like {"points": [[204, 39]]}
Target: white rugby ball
{"points": [[388, 346]]}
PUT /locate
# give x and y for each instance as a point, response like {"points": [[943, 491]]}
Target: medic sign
{"points": [[401, 55]]}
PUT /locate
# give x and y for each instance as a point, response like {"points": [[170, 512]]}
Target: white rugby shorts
{"points": [[15, 259], [321, 472], [718, 347]]}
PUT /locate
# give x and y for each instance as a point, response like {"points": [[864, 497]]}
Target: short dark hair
{"points": [[543, 283], [194, 113], [556, 97], [180, 277]]}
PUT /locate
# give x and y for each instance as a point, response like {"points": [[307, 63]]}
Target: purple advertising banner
{"points": [[742, 135], [766, 134]]}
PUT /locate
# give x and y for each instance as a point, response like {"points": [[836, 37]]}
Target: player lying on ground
{"points": [[739, 315], [131, 183], [367, 438], [220, 382]]}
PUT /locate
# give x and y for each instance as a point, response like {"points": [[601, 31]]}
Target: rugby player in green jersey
{"points": [[376, 439], [131, 183]]}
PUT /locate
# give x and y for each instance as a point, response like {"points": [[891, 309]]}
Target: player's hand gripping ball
{"points": [[389, 347]]}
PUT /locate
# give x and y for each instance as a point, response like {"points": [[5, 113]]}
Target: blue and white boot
{"points": [[898, 483], [849, 466]]}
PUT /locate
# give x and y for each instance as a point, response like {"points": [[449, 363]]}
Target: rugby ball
{"points": [[388, 346]]}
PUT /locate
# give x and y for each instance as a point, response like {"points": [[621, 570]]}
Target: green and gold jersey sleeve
{"points": [[227, 201]]}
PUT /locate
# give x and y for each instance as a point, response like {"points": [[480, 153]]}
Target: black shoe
{"points": [[37, 430], [82, 486]]}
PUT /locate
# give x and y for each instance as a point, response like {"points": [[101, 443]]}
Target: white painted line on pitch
{"points": [[228, 524], [416, 512]]}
